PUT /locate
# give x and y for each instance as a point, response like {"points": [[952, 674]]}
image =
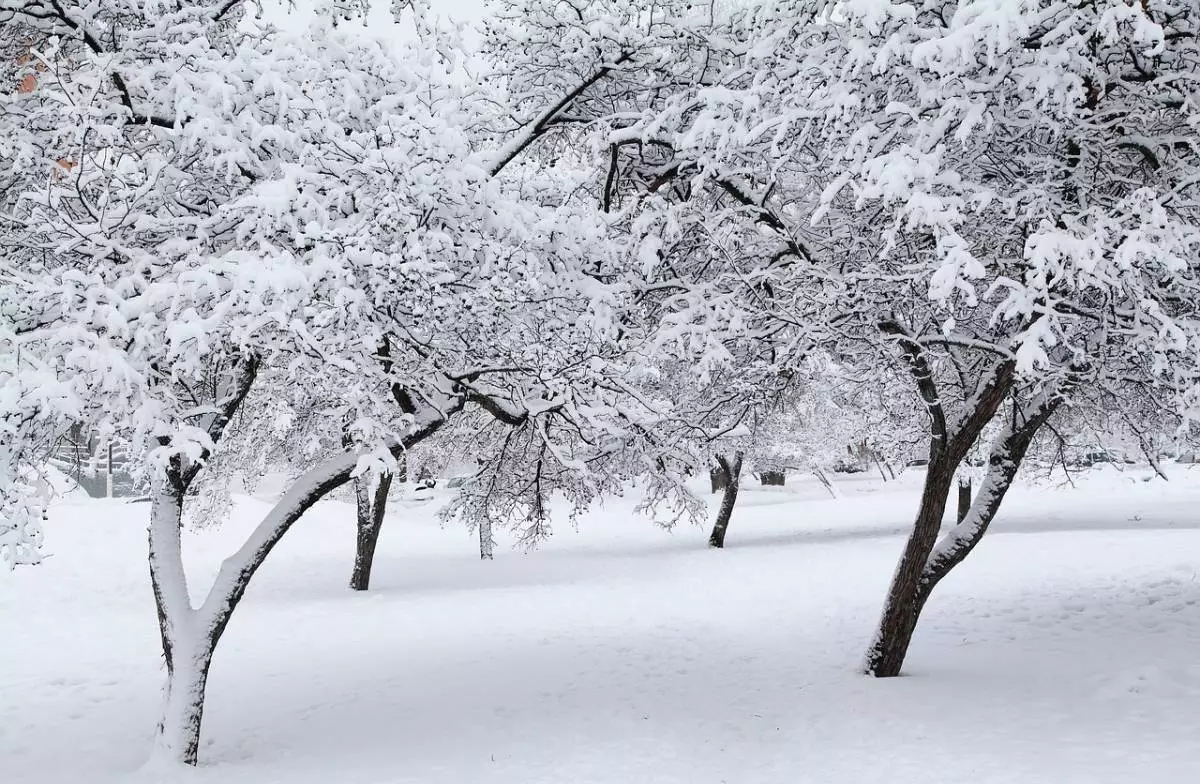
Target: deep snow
{"points": [[623, 653]]}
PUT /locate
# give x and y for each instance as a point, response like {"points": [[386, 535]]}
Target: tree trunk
{"points": [[826, 482], [190, 636], [178, 736], [1004, 460], [948, 447], [964, 497], [371, 503], [732, 471], [717, 477], [772, 478], [487, 543], [926, 561], [903, 605], [186, 648]]}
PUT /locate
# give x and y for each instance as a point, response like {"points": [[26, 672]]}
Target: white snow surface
{"points": [[1063, 650]]}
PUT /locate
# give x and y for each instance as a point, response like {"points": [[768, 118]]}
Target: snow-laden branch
{"points": [[922, 374], [20, 537], [545, 121], [1007, 451], [236, 570]]}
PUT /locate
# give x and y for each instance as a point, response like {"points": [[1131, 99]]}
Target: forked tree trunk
{"points": [[732, 471], [909, 594], [187, 650], [1004, 460], [948, 447], [370, 503], [190, 635]]}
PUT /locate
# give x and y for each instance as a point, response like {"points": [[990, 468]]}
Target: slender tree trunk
{"points": [[732, 469], [826, 482], [371, 504], [1149, 450], [487, 543], [964, 497], [717, 478]]}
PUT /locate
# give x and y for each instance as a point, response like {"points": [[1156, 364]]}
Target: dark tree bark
{"points": [[371, 505], [732, 471], [717, 476], [948, 446], [903, 605], [1005, 457], [772, 478], [1004, 460], [964, 498]]}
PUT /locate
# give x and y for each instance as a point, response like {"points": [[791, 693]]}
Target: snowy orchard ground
{"points": [[1064, 650]]}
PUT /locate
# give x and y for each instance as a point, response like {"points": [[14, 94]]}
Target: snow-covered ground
{"points": [[1064, 650]]}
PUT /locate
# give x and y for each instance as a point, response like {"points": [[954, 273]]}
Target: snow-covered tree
{"points": [[1053, 197], [995, 199], [808, 426], [242, 210], [995, 193]]}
